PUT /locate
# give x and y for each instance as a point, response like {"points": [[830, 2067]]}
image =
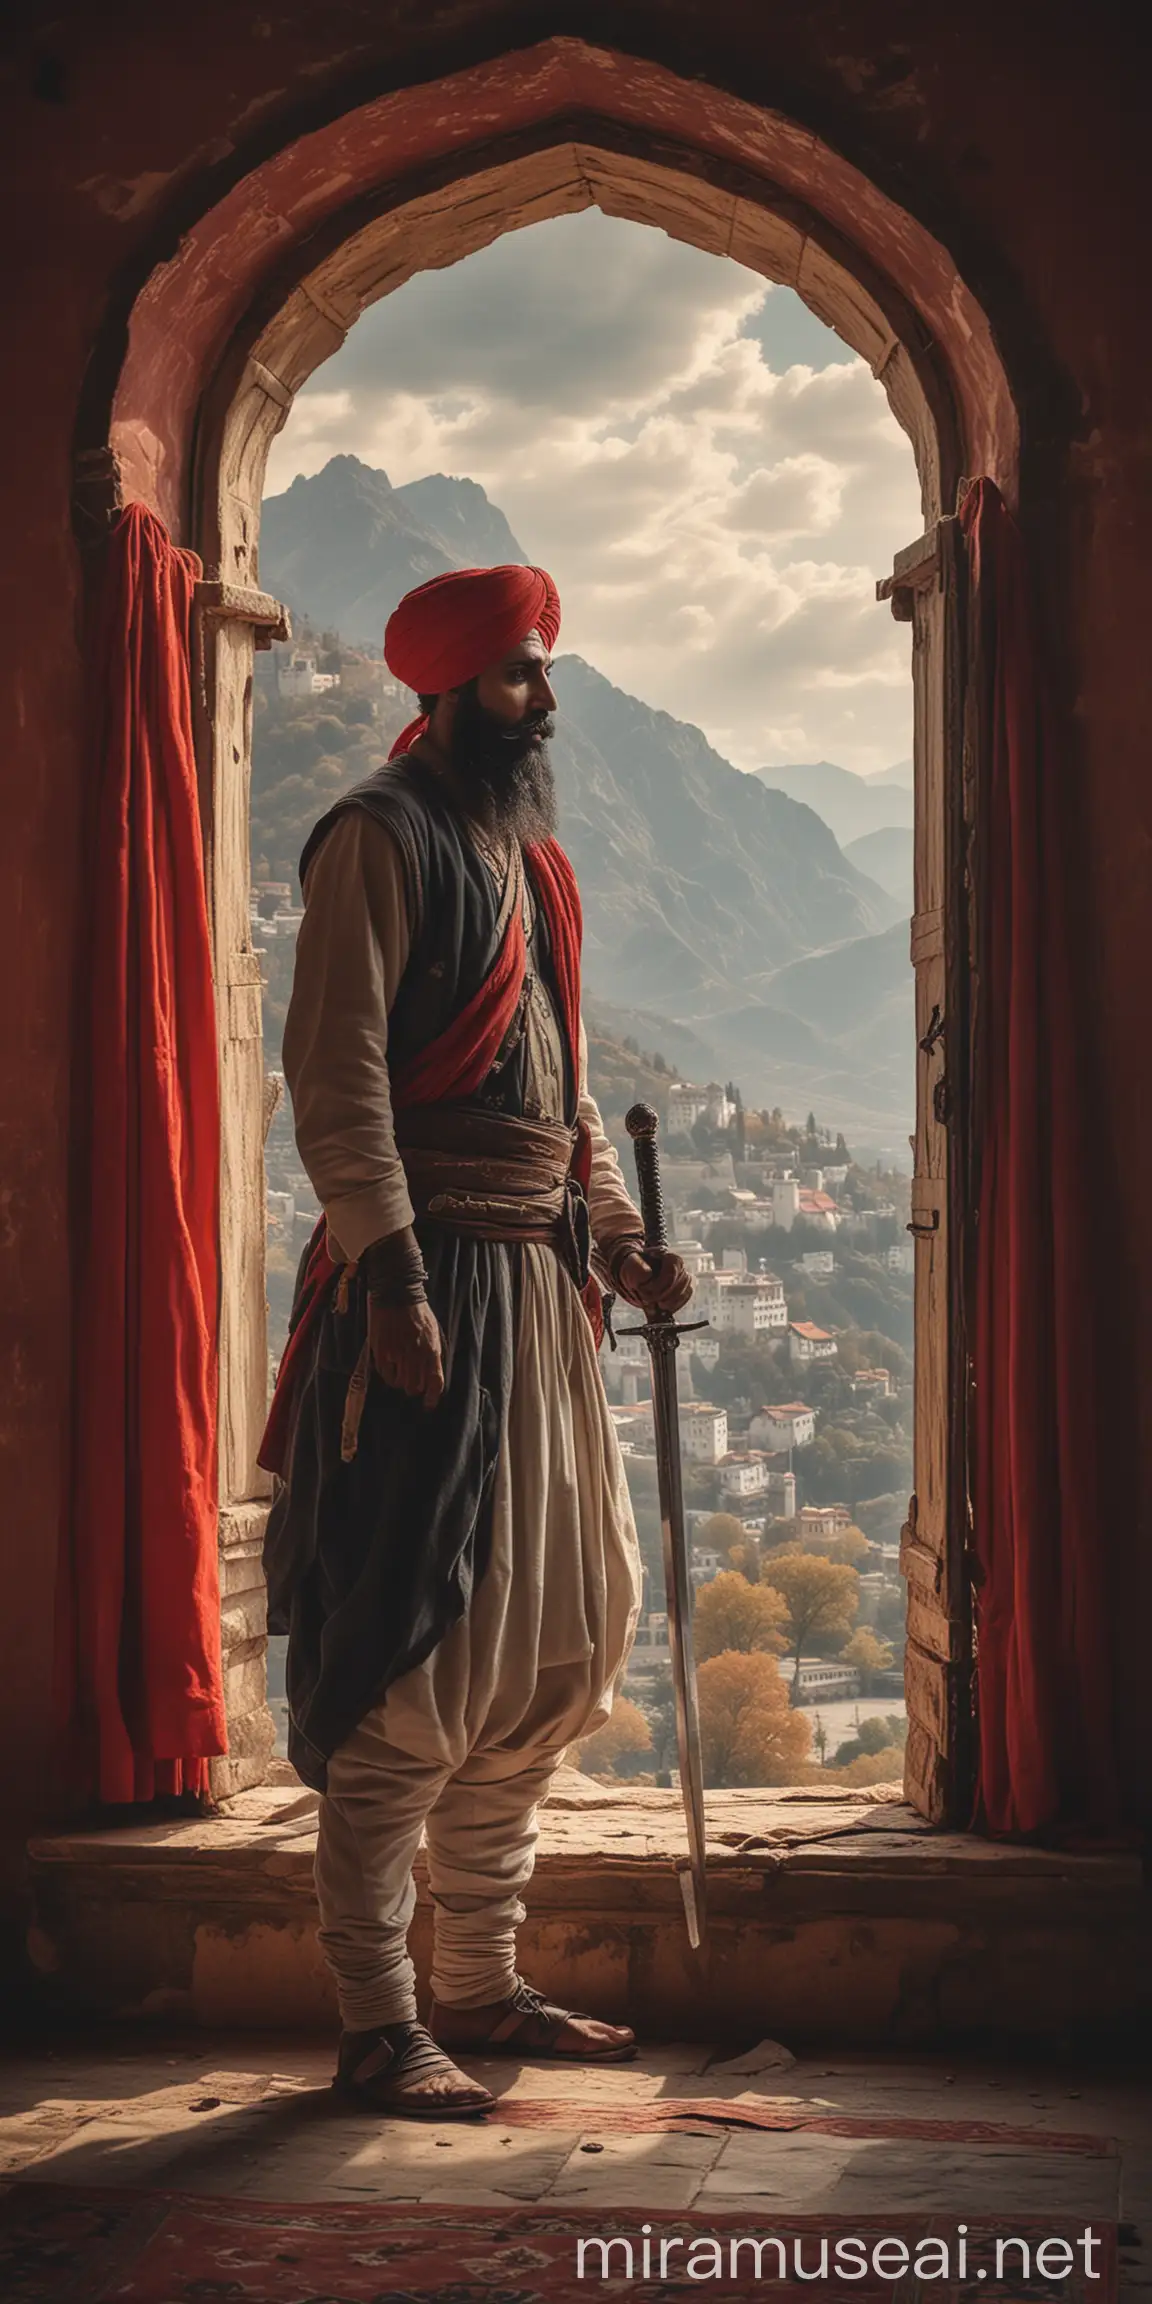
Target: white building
{"points": [[782, 1494], [703, 1432], [651, 1653], [871, 1384], [821, 1676], [686, 1105], [744, 1475], [807, 1343], [785, 1202], [696, 1259], [299, 677], [790, 1426], [730, 1301], [824, 1522], [719, 1109], [633, 1423], [819, 1263], [818, 1208], [707, 1563], [755, 1307], [749, 1472], [901, 1256]]}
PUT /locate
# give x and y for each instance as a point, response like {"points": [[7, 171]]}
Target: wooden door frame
{"points": [[928, 589]]}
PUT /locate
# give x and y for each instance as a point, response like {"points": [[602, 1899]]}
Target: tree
{"points": [[822, 1598], [722, 1531], [881, 1732], [745, 1559], [749, 1733], [884, 1767], [625, 1731], [868, 1653], [851, 1546], [731, 1613]]}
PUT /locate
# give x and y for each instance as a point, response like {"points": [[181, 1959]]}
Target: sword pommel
{"points": [[643, 1125]]}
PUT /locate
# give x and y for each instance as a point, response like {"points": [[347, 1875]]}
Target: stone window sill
{"points": [[833, 1913]]}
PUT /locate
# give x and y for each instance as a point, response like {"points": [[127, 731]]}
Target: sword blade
{"points": [[663, 1342]]}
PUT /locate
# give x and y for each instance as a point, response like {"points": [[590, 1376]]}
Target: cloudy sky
{"points": [[714, 480]]}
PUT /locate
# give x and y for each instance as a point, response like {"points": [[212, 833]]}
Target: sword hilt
{"points": [[643, 1126]]}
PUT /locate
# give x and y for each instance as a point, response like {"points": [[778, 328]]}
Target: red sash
{"points": [[449, 1069]]}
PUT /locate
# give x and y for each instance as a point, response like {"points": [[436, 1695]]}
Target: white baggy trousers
{"points": [[463, 1748]]}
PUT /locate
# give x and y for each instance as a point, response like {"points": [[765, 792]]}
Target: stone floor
{"points": [[253, 2116]]}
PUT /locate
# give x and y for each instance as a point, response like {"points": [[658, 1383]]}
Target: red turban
{"points": [[450, 630]]}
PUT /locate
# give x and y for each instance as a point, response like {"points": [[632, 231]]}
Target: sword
{"points": [[663, 1339]]}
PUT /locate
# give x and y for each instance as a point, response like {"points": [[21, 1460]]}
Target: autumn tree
{"points": [[868, 1653], [850, 1547], [626, 1731], [730, 1613], [883, 1767], [722, 1531], [822, 1597], [749, 1733], [880, 1732], [745, 1559]]}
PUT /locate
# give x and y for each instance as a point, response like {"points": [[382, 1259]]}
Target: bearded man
{"points": [[452, 1552]]}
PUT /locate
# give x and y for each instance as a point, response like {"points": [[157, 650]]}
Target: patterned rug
{"points": [[72, 2245], [685, 2113]]}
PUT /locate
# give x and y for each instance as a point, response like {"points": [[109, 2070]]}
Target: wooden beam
{"points": [[240, 604], [913, 570]]}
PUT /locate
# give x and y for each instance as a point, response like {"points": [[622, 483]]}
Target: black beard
{"points": [[504, 774]]}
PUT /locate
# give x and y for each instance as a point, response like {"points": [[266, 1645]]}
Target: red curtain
{"points": [[139, 1609], [1055, 1640]]}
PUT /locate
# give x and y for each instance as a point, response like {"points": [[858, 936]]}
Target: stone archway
{"points": [[265, 288]]}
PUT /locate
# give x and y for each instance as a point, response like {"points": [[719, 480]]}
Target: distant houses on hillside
{"points": [[688, 1105], [789, 1426]]}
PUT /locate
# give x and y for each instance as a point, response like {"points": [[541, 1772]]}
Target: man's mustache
{"points": [[536, 727]]}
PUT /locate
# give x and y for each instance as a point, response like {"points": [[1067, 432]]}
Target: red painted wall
{"points": [[1016, 142]]}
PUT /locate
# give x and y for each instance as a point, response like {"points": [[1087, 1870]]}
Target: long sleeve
{"points": [[351, 952], [613, 1214]]}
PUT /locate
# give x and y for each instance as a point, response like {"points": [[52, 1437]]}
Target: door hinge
{"points": [[934, 1033]]}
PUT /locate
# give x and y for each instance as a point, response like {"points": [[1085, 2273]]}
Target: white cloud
{"points": [[713, 478]]}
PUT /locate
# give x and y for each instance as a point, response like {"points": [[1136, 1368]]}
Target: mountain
{"points": [[706, 897], [342, 546], [698, 882], [458, 511], [850, 805], [900, 774], [854, 1005], [886, 857]]}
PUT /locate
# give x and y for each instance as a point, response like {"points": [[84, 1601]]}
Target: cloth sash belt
{"points": [[497, 1178]]}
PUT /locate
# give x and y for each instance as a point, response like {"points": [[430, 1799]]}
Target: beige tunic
{"points": [[534, 1663]]}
